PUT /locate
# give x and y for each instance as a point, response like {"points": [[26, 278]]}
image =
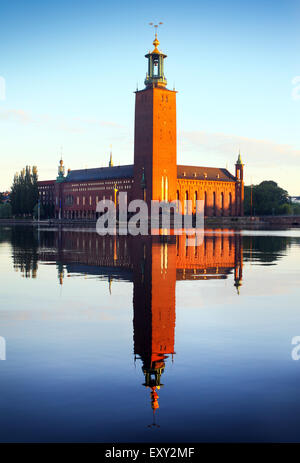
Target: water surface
{"points": [[119, 339]]}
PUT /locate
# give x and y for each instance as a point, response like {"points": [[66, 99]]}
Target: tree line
{"points": [[268, 198]]}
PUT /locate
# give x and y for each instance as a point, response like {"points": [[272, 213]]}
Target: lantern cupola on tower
{"points": [[155, 76]]}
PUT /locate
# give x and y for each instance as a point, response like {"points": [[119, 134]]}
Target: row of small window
{"points": [[199, 175], [113, 182], [221, 195], [99, 188], [69, 200]]}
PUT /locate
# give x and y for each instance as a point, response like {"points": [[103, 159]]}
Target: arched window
{"points": [[214, 203], [195, 201], [230, 203], [222, 203], [186, 207]]}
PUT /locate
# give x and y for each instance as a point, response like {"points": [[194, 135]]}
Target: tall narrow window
{"points": [[214, 203], [166, 189], [186, 204], [162, 189], [222, 203], [178, 199], [230, 203]]}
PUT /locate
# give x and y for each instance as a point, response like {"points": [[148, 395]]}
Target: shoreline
{"points": [[232, 222]]}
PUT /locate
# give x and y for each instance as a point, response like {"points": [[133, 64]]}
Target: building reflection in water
{"points": [[153, 264]]}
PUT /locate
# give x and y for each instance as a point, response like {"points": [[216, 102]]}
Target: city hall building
{"points": [[155, 174]]}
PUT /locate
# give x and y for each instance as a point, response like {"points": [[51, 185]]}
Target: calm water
{"points": [[129, 339]]}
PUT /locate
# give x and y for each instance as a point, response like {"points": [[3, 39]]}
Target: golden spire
{"points": [[155, 41]]}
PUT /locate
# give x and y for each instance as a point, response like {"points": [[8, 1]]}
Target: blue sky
{"points": [[71, 67]]}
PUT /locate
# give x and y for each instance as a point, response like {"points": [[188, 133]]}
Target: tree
{"points": [[296, 209], [24, 191], [267, 199], [5, 211]]}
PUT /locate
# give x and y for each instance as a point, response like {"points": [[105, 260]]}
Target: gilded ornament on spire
{"points": [[155, 43]]}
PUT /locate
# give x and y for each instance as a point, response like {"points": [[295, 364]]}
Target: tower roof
{"points": [[204, 173], [239, 160], [100, 173], [155, 51]]}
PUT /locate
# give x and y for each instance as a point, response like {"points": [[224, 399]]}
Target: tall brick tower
{"points": [[155, 144]]}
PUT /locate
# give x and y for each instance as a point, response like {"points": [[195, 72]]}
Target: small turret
{"points": [[111, 164], [239, 186], [239, 168], [61, 171], [239, 161]]}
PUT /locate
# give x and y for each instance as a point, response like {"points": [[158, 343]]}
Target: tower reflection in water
{"points": [[158, 264], [153, 264]]}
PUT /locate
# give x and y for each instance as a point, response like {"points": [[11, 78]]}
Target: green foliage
{"points": [[267, 199], [5, 211], [296, 209], [24, 192]]}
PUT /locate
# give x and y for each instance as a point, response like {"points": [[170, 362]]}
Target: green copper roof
{"points": [[239, 161]]}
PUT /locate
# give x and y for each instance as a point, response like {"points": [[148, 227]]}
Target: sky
{"points": [[69, 70]]}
